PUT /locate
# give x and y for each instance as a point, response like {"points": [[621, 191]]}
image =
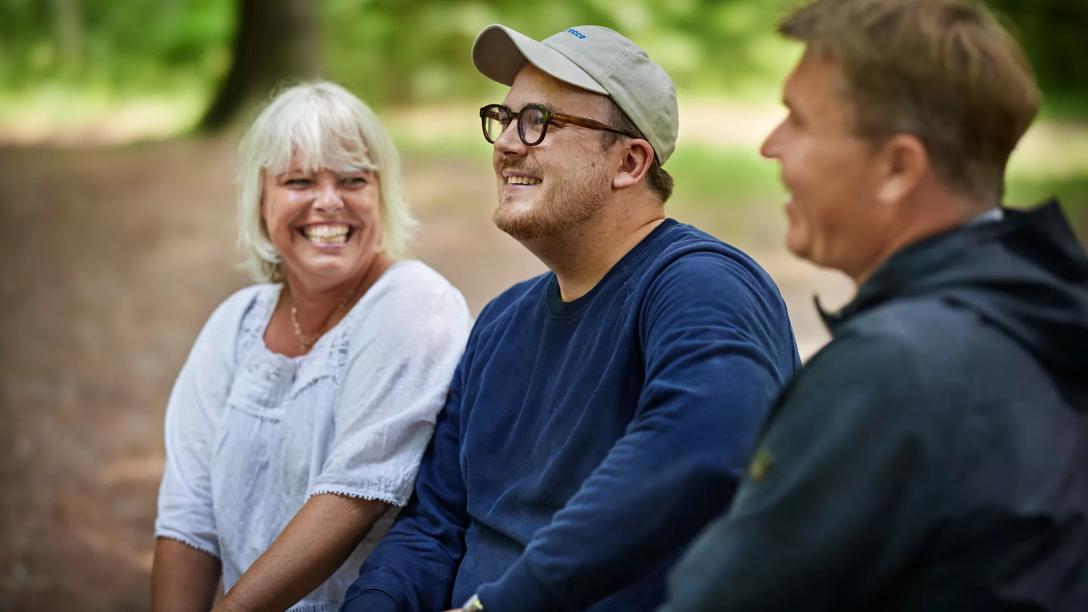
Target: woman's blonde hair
{"points": [[327, 127]]}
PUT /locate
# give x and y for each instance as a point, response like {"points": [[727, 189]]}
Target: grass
{"points": [[96, 115], [1071, 191], [722, 175]]}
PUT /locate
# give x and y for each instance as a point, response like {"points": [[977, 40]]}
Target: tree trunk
{"points": [[275, 41], [68, 21]]}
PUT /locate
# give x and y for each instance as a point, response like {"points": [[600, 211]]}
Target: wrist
{"points": [[229, 605], [518, 589]]}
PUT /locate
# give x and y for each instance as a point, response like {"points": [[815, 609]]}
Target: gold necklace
{"points": [[300, 336]]}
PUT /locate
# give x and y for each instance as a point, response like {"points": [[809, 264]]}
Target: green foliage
{"points": [[404, 52], [391, 50], [1055, 36], [397, 52], [126, 47]]}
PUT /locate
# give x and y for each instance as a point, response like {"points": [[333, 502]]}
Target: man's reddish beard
{"points": [[521, 165], [560, 203]]}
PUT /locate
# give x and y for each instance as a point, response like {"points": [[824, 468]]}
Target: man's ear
{"points": [[638, 155], [904, 164]]}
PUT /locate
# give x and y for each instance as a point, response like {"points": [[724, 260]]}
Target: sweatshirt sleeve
{"points": [[414, 566], [717, 348], [832, 491]]}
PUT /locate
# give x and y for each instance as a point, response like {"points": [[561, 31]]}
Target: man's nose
{"points": [[508, 142], [769, 148]]}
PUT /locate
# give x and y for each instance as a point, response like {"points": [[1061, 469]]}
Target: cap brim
{"points": [[499, 53]]}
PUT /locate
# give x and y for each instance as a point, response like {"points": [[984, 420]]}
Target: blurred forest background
{"points": [[117, 126]]}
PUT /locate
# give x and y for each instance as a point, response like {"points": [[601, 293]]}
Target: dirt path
{"points": [[112, 259]]}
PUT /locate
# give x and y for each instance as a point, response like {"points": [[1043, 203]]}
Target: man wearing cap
{"points": [[603, 411]]}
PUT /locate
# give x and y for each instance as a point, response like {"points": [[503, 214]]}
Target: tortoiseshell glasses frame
{"points": [[532, 121]]}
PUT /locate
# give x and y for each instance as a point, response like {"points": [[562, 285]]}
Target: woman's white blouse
{"points": [[252, 434]]}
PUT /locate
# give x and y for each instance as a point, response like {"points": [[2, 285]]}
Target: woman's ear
{"points": [[638, 155]]}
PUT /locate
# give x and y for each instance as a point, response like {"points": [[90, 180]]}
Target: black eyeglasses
{"points": [[533, 120]]}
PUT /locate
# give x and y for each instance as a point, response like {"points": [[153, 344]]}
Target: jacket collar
{"points": [[930, 254]]}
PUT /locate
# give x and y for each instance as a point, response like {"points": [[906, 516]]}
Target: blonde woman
{"points": [[298, 421]]}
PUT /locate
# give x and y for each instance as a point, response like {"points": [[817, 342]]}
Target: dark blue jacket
{"points": [[584, 443], [934, 456]]}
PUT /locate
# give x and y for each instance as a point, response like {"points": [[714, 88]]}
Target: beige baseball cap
{"points": [[593, 58]]}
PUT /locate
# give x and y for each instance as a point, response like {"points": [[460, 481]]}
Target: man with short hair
{"points": [[934, 455], [602, 412]]}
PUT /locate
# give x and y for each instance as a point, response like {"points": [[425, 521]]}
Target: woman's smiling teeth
{"points": [[331, 233], [522, 180]]}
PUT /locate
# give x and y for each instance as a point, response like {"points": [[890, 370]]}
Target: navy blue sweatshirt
{"points": [[585, 443]]}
